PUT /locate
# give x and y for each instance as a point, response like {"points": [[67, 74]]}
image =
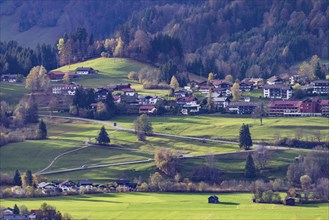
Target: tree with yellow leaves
{"points": [[37, 79]]}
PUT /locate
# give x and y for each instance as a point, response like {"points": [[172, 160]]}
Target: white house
{"points": [[64, 89], [191, 107]]}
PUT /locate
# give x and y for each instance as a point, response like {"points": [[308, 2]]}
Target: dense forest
{"points": [[242, 38]]}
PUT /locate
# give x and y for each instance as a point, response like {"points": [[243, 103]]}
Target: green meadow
{"points": [[65, 135], [111, 70], [172, 206], [12, 92], [227, 126]]}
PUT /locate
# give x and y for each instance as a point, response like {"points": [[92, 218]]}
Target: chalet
{"points": [[126, 184], [186, 100], [12, 78], [290, 201], [64, 89], [324, 107], [49, 186], [182, 93], [101, 94], [189, 108], [282, 108], [222, 84], [246, 86], [129, 100], [122, 86], [57, 76], [147, 100], [85, 183], [15, 217], [129, 91], [220, 102], [277, 92], [65, 185], [147, 109], [242, 107], [193, 84], [8, 211], [274, 80], [213, 199], [320, 87], [222, 92], [205, 89], [257, 82], [85, 71]]}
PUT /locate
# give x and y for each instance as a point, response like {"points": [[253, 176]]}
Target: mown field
{"points": [[227, 126], [111, 71], [66, 135], [171, 206], [12, 92]]}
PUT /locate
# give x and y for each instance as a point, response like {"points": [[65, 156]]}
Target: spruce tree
{"points": [[28, 178], [17, 179], [250, 170], [111, 107], [103, 137], [42, 131], [16, 210], [318, 72], [245, 140]]}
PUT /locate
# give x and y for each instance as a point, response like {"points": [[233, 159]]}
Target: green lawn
{"points": [[171, 206], [12, 92], [227, 127]]}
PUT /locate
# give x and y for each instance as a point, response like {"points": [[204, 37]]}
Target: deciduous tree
{"points": [[174, 83], [166, 161], [37, 79], [236, 91], [143, 124]]}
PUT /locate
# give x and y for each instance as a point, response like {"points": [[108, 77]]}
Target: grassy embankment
{"points": [[171, 206]]}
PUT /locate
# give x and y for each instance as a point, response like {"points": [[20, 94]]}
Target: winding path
{"points": [[120, 128]]}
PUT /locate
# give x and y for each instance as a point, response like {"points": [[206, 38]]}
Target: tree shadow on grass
{"points": [[228, 203]]}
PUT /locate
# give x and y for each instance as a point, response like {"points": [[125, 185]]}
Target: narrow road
{"points": [[96, 166]]}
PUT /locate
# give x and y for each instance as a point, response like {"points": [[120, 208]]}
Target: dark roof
{"points": [[321, 81], [86, 182], [232, 104], [277, 87], [84, 69]]}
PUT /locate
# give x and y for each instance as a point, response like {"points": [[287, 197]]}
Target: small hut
{"points": [[290, 201], [213, 199]]}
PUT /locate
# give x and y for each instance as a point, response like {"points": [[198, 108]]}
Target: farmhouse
{"points": [[147, 109], [189, 108], [205, 89], [257, 82], [213, 199], [147, 100], [129, 91], [126, 184], [320, 87], [101, 93], [242, 107], [246, 86], [12, 78], [277, 92], [85, 70], [274, 80], [222, 92], [220, 102], [64, 89], [222, 84]]}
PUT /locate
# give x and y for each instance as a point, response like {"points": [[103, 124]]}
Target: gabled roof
{"points": [[278, 103], [324, 102], [86, 182], [219, 82], [283, 87], [84, 69], [236, 104]]}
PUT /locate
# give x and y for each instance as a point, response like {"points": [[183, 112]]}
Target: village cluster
{"points": [[192, 99]]}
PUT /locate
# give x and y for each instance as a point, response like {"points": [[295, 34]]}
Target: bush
{"points": [[133, 76], [154, 85]]}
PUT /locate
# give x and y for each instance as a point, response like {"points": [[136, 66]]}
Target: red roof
{"points": [[128, 90], [218, 82], [206, 87], [116, 97], [285, 103], [324, 102]]}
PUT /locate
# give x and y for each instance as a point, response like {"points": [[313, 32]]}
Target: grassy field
{"points": [[224, 126], [12, 92], [112, 70], [171, 206]]}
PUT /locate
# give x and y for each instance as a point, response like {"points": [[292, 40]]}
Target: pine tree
{"points": [[250, 169], [245, 140], [318, 72], [17, 179], [103, 137], [28, 178], [41, 131], [16, 210], [111, 107]]}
